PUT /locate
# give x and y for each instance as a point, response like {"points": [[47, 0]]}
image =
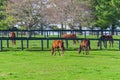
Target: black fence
{"points": [[47, 39], [57, 33], [42, 35]]}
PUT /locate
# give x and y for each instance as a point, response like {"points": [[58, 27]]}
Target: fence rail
{"points": [[21, 35], [42, 39], [47, 33]]}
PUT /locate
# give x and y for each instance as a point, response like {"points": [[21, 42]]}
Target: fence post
{"points": [[27, 43], [59, 34], [47, 43], [1, 48], [119, 44], [67, 43], [47, 34], [42, 45], [85, 34], [100, 44], [22, 45], [7, 43], [97, 34]]}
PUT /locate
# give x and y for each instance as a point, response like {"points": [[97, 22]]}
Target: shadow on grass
{"points": [[49, 49]]}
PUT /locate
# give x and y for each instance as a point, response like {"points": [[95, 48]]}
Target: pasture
{"points": [[28, 65], [34, 64]]}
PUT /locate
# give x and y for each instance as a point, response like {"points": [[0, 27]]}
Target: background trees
{"points": [[106, 13], [37, 14]]}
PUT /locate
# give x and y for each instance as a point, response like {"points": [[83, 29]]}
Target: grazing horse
{"points": [[85, 46], [57, 44], [70, 36], [12, 35], [106, 38]]}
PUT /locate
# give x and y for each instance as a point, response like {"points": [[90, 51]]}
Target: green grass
{"points": [[34, 64], [40, 65]]}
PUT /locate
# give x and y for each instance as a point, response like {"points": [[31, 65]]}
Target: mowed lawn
{"points": [[40, 65]]}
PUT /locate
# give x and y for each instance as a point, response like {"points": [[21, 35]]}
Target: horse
{"points": [[85, 46], [104, 39], [70, 36], [57, 44], [13, 35]]}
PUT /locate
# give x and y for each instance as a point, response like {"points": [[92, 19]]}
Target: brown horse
{"points": [[85, 46], [57, 44], [104, 39], [70, 36], [13, 35]]}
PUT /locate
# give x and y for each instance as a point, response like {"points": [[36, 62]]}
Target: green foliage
{"points": [[6, 20], [7, 23], [106, 12]]}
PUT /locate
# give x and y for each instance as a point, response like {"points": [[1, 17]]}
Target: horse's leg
{"points": [[79, 50], [87, 49], [104, 42], [59, 52], [52, 51], [14, 42], [62, 49], [83, 50]]}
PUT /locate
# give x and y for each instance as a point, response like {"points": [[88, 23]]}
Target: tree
{"points": [[6, 21], [73, 12], [2, 14], [106, 13], [29, 12]]}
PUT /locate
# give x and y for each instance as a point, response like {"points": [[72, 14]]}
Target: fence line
{"points": [[47, 33], [42, 44]]}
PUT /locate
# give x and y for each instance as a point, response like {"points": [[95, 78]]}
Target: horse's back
{"points": [[57, 43], [69, 35], [85, 42]]}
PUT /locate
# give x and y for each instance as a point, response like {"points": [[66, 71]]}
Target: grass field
{"points": [[40, 65], [34, 64]]}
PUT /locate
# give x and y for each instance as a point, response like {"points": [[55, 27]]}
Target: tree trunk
{"points": [[80, 28], [41, 28], [62, 28]]}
